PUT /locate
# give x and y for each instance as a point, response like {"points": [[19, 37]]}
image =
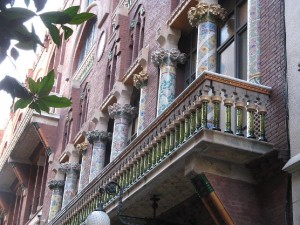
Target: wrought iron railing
{"points": [[198, 107]]}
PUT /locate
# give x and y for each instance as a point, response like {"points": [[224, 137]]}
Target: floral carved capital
{"points": [[82, 146], [56, 184], [69, 167], [172, 56], [96, 135], [206, 12], [117, 111], [140, 79]]}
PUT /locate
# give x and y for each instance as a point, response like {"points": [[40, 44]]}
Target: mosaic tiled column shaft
{"points": [[167, 61], [140, 82], [206, 17], [82, 148], [99, 140], [57, 187], [122, 116], [71, 182], [254, 71]]}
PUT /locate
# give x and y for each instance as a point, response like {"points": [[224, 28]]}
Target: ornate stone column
{"points": [[253, 24], [71, 183], [206, 17], [140, 82], [99, 140], [122, 114], [167, 61], [82, 149], [57, 187]]}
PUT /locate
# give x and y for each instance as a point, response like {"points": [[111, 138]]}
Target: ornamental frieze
{"points": [[140, 79], [54, 184], [206, 12], [68, 167], [96, 135], [163, 56], [118, 110]]}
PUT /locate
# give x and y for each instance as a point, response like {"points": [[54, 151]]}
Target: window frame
{"points": [[235, 37]]}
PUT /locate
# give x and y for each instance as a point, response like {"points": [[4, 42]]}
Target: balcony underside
{"points": [[207, 152]]}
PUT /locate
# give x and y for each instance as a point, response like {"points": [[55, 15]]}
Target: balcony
{"points": [[196, 126]]}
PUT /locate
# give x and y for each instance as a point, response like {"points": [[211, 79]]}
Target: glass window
{"points": [[232, 41], [87, 43]]}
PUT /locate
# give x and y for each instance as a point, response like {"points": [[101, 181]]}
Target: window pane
{"points": [[242, 55], [227, 30], [242, 14], [227, 61]]}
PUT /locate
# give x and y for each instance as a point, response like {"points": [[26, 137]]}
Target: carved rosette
{"points": [[56, 184], [82, 147], [204, 12], [118, 111], [140, 79], [96, 135], [69, 167], [168, 57]]}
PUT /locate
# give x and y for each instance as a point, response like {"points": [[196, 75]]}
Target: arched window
{"points": [[137, 30], [110, 71], [84, 104], [87, 42]]}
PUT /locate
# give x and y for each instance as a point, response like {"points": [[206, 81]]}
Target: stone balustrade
{"points": [[212, 101]]}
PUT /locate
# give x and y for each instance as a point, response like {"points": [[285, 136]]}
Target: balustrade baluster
{"points": [[204, 101], [186, 115], [262, 111], [172, 137], [192, 110], [228, 103], [181, 129], [239, 105], [216, 100], [251, 108]]}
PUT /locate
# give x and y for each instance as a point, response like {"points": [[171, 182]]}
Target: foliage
{"points": [[12, 27], [38, 97]]}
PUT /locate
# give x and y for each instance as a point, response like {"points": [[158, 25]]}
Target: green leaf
{"points": [[72, 11], [68, 31], [27, 2], [56, 102], [22, 103], [14, 53], [33, 86], [39, 4], [17, 14], [42, 105], [55, 17], [54, 32], [80, 18], [35, 106], [46, 84]]}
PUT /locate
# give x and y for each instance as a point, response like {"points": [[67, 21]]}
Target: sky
{"points": [[18, 69]]}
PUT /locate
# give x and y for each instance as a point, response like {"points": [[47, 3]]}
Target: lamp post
{"points": [[99, 217]]}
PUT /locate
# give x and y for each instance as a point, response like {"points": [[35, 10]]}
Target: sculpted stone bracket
{"points": [[82, 147], [118, 111], [69, 167], [140, 80], [96, 135], [167, 57], [204, 12], [56, 184]]}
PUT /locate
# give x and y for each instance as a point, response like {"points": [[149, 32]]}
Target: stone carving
{"points": [[117, 110], [172, 56], [82, 146], [53, 184], [204, 12], [68, 167], [96, 135], [140, 79]]}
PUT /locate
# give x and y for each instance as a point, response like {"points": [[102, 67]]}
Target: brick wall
{"points": [[273, 70]]}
